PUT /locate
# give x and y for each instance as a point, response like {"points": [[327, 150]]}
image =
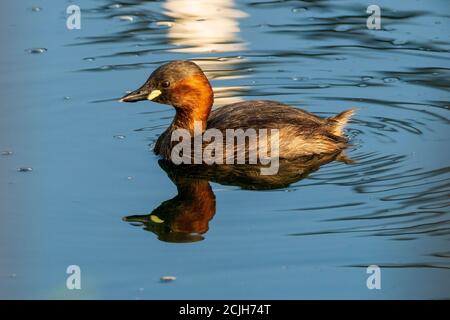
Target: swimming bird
{"points": [[183, 85]]}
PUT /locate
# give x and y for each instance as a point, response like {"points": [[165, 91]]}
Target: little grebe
{"points": [[183, 85]]}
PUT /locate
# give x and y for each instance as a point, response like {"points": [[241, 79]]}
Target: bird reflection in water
{"points": [[185, 217]]}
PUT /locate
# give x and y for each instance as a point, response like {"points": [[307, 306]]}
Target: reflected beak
{"points": [[143, 218], [140, 95]]}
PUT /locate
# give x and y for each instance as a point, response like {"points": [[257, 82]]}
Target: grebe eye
{"points": [[165, 84]]}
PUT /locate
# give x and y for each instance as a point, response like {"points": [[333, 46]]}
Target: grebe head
{"points": [[181, 84]]}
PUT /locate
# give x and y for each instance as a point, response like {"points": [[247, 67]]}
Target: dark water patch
{"points": [[406, 266], [431, 77], [441, 254], [440, 228], [335, 206], [405, 105]]}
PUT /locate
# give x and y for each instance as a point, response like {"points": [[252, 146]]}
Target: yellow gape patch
{"points": [[153, 94], [156, 219]]}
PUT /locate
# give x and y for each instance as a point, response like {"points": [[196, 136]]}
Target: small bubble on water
{"points": [[115, 6], [390, 79], [362, 85], [130, 178], [167, 278], [126, 18], [67, 98], [6, 153], [36, 50], [299, 10], [25, 169], [119, 137], [89, 59], [36, 9]]}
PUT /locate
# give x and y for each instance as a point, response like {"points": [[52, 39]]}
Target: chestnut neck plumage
{"points": [[186, 118], [196, 100]]}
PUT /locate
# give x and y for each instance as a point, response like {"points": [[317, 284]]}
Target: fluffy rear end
{"points": [[338, 122]]}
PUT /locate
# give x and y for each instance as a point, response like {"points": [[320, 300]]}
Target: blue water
{"points": [[92, 163]]}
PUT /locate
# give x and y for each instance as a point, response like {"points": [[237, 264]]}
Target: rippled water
{"points": [[80, 184]]}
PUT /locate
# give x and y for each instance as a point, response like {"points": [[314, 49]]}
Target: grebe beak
{"points": [[140, 95]]}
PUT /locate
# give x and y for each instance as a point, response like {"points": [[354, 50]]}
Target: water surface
{"points": [[92, 166]]}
